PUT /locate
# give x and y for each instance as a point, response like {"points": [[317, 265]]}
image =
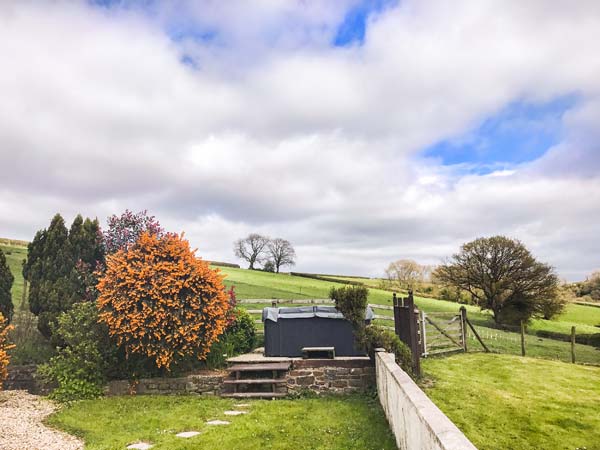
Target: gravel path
{"points": [[21, 415]]}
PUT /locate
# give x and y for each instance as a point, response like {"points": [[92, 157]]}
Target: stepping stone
{"points": [[217, 422], [242, 405], [187, 434], [235, 413], [140, 446]]}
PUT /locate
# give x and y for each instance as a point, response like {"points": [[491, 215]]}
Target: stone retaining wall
{"points": [[209, 383], [337, 376], [24, 378]]}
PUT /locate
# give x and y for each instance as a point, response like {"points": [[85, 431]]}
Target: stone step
{"points": [[259, 367], [254, 395], [255, 381]]}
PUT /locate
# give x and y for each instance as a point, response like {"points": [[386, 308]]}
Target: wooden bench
{"points": [[318, 352]]}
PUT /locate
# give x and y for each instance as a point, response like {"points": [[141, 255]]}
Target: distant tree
{"points": [[501, 275], [282, 253], [6, 282], [124, 230], [160, 301], [406, 273], [591, 287], [252, 248]]}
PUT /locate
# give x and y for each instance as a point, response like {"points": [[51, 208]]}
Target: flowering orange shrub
{"points": [[158, 300], [4, 347]]}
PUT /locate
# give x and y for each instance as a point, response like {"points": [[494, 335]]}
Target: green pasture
{"points": [[510, 402], [15, 254]]}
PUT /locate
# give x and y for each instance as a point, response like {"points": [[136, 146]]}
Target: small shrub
{"points": [[269, 266], [351, 301], [79, 367], [4, 347], [239, 337], [378, 337]]}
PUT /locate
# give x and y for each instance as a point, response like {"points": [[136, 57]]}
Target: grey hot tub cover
{"points": [[306, 312]]}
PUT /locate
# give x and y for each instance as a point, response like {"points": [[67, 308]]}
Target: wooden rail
{"points": [[302, 301]]}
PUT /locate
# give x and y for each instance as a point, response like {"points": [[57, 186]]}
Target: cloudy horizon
{"points": [[361, 131]]}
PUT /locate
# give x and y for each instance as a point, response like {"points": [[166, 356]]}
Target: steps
{"points": [[254, 394], [257, 380]]}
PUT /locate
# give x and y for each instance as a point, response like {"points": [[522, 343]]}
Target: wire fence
{"points": [[497, 341], [508, 342]]}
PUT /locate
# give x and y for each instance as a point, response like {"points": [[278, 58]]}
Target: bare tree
{"points": [[252, 248], [282, 253], [406, 273]]}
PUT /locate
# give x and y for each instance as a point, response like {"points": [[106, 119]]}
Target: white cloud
{"points": [[278, 132]]}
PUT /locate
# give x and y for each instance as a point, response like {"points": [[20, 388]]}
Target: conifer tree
{"points": [[6, 282], [87, 252], [50, 287], [60, 266]]}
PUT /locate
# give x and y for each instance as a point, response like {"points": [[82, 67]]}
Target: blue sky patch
{"points": [[352, 29], [519, 133]]}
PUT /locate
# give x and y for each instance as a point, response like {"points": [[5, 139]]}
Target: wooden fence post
{"points": [[463, 326], [522, 338], [406, 324], [573, 345]]}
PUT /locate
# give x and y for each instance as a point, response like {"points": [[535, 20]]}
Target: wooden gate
{"points": [[442, 333]]}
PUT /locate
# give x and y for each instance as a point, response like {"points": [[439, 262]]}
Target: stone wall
{"points": [[209, 383], [339, 376], [414, 419], [24, 378]]}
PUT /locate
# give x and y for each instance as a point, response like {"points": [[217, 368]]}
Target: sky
{"points": [[362, 131]]}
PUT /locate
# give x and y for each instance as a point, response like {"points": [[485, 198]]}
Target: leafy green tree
{"points": [[6, 282], [503, 276]]}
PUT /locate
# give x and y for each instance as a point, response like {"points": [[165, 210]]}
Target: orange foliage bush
{"points": [[4, 347], [158, 300]]}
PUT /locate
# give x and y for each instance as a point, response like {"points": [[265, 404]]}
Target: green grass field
{"points": [[509, 402], [341, 422], [255, 284], [15, 254], [30, 345]]}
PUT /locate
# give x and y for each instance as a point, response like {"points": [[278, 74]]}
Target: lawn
{"points": [[347, 422], [509, 402]]}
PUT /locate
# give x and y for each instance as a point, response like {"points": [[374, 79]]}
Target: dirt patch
{"points": [[22, 427]]}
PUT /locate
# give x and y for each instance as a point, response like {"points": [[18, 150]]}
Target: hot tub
{"points": [[288, 330]]}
